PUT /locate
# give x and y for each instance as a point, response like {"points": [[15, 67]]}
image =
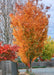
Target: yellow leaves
{"points": [[49, 37], [48, 50]]}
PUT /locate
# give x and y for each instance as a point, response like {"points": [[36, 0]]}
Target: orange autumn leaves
{"points": [[30, 27]]}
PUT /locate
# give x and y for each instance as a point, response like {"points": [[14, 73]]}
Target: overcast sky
{"points": [[51, 20]]}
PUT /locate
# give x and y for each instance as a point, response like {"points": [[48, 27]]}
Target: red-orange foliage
{"points": [[8, 52], [30, 27]]}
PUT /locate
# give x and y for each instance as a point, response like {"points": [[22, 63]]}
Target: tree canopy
{"points": [[30, 26]]}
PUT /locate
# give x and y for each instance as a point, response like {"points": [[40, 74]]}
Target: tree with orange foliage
{"points": [[30, 26]]}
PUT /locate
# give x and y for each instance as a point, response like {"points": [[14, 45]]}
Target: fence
{"points": [[45, 63], [8, 68]]}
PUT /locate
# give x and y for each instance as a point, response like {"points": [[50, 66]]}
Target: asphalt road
{"points": [[41, 71]]}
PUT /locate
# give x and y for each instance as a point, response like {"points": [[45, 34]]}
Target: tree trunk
{"points": [[27, 69], [18, 68], [30, 65]]}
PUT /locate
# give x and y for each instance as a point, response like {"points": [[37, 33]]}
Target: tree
{"points": [[30, 26], [5, 30], [48, 50], [6, 7], [8, 52]]}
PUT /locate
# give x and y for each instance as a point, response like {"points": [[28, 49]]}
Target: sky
{"points": [[51, 20]]}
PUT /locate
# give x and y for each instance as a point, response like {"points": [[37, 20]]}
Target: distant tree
{"points": [[7, 7], [48, 50], [5, 30]]}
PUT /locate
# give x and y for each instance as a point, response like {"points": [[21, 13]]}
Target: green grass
{"points": [[21, 67], [38, 66], [32, 67]]}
